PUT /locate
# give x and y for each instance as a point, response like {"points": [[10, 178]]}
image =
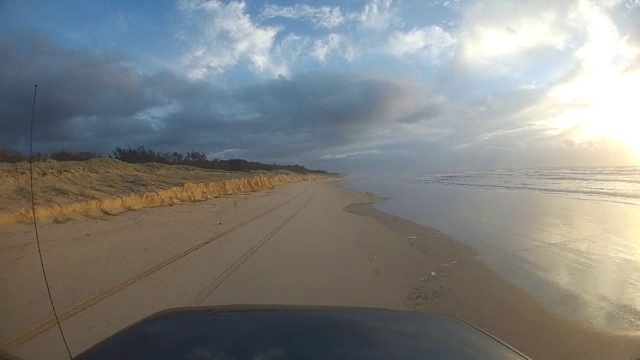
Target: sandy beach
{"points": [[311, 242]]}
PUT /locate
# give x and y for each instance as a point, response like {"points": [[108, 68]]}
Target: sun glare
{"points": [[616, 113], [602, 103], [603, 106]]}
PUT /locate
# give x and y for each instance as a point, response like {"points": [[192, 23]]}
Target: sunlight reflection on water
{"points": [[580, 256]]}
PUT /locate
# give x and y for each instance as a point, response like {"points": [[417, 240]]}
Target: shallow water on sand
{"points": [[569, 237]]}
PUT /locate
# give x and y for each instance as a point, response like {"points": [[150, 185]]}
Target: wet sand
{"points": [[312, 243], [578, 256]]}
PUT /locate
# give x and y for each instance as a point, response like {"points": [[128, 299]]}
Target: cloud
{"points": [[486, 80], [329, 98], [633, 66], [332, 43], [595, 100], [503, 32], [351, 154], [80, 96], [581, 99], [97, 101], [292, 119], [376, 15], [323, 16], [430, 42], [224, 35]]}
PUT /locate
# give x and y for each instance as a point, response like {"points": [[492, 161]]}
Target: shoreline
{"points": [[568, 253], [510, 313]]}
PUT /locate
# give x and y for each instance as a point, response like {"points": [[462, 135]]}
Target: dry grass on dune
{"points": [[110, 186]]}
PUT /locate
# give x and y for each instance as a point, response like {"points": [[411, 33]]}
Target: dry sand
{"points": [[303, 243]]}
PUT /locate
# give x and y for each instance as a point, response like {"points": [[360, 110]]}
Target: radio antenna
{"points": [[35, 225]]}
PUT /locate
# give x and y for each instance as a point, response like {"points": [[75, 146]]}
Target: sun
{"points": [[616, 111], [603, 107]]}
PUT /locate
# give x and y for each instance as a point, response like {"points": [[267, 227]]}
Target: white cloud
{"points": [[604, 46], [502, 32], [324, 16], [431, 41], [291, 49], [333, 43], [592, 105], [600, 99], [588, 107], [351, 154], [596, 105], [225, 35], [504, 38], [377, 14]]}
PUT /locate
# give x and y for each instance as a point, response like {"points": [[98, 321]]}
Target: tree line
{"points": [[141, 155]]}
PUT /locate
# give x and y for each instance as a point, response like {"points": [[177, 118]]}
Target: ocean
{"points": [[570, 237]]}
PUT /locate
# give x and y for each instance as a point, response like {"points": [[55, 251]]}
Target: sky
{"points": [[359, 86]]}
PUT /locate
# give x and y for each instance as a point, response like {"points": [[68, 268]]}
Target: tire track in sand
{"points": [[220, 279], [69, 313]]}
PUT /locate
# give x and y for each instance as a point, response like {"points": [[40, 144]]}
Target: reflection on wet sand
{"points": [[577, 255]]}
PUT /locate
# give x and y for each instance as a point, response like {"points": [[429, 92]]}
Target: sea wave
{"points": [[605, 183]]}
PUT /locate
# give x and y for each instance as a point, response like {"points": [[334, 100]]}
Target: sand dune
{"points": [[108, 186]]}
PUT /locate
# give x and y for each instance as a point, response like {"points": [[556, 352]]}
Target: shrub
{"points": [[63, 155], [11, 156]]}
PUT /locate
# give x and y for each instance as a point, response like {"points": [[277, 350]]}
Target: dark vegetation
{"points": [[63, 155], [10, 156], [141, 155]]}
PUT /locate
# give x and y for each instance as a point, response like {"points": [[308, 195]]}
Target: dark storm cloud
{"points": [[284, 118], [80, 95], [336, 98], [97, 101]]}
